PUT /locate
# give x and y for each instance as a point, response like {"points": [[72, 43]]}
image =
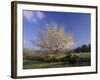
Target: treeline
{"points": [[83, 48]]}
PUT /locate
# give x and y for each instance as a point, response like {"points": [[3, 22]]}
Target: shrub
{"points": [[71, 58]]}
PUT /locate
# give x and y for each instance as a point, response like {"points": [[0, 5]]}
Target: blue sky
{"points": [[76, 23]]}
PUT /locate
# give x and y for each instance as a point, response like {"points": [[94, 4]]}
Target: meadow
{"points": [[74, 60]]}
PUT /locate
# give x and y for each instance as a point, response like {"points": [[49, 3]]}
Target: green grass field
{"points": [[33, 64], [83, 54], [36, 64]]}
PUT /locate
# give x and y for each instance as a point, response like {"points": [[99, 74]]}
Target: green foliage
{"points": [[83, 48], [71, 58]]}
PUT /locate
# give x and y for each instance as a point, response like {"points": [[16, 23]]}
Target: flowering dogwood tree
{"points": [[54, 39]]}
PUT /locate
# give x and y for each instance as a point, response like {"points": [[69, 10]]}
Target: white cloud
{"points": [[40, 15], [28, 14], [33, 16]]}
